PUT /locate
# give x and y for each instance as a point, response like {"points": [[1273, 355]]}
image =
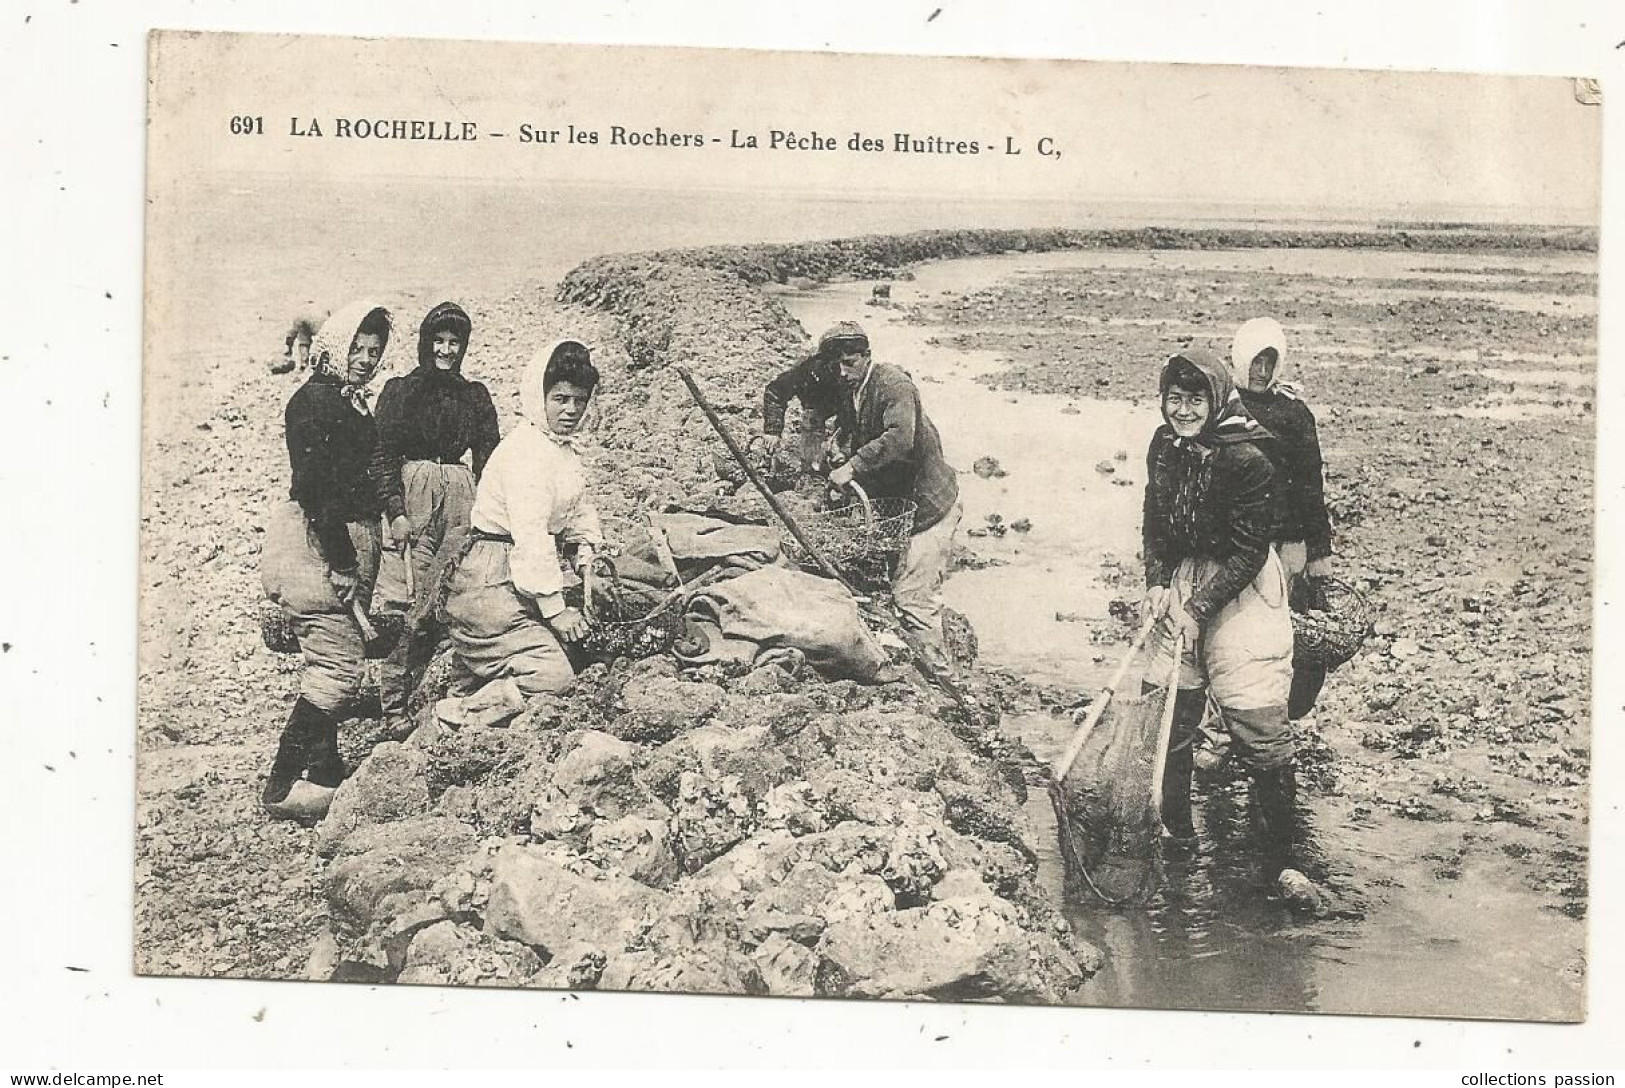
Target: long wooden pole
{"points": [[1064, 764], [756, 478], [922, 661], [1165, 734]]}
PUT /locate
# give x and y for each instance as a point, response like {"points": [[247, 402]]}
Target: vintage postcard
{"points": [[861, 526]]}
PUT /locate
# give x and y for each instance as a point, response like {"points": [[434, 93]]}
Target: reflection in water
{"points": [[1217, 942]]}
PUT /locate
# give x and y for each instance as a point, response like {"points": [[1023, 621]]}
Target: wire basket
{"points": [[780, 469], [621, 623], [864, 535], [1330, 622]]}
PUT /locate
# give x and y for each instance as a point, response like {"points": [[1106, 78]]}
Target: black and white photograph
{"points": [[818, 525]]}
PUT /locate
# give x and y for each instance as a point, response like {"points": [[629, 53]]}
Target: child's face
{"points": [[366, 350], [566, 407], [1186, 410], [447, 347]]}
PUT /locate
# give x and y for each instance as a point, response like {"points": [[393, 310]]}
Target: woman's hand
{"points": [[344, 583], [570, 625], [400, 532], [1155, 605], [1185, 625], [843, 475]]}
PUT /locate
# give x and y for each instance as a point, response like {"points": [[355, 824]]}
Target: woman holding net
{"points": [[1216, 587]]}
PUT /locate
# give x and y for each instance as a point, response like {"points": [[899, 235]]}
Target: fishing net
{"points": [[1104, 807]]}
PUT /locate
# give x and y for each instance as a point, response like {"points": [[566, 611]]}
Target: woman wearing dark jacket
{"points": [[429, 422], [321, 552], [1213, 577], [1303, 530]]}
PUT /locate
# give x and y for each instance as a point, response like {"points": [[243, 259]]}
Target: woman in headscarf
{"points": [[322, 546], [505, 603], [1303, 531], [428, 421], [1212, 576]]}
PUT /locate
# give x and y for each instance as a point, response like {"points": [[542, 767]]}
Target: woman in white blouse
{"points": [[505, 605]]}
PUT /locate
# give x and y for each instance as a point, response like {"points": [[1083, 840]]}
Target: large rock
{"points": [[448, 954], [880, 746], [391, 784], [392, 860], [841, 794], [653, 708], [711, 817], [982, 814], [691, 970], [537, 897], [460, 757], [596, 780], [636, 846], [792, 807], [811, 890], [598, 775], [788, 969], [747, 754], [968, 947], [909, 860]]}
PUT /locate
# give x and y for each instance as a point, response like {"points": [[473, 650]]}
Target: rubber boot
{"points": [[1275, 793], [1189, 703], [326, 766], [293, 752]]}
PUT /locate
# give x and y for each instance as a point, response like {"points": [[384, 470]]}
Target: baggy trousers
{"points": [[295, 575], [496, 630], [1244, 658], [921, 570], [439, 502]]}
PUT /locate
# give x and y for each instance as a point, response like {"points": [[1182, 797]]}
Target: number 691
{"points": [[244, 125]]}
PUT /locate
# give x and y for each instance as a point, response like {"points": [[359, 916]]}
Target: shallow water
{"points": [[1078, 514], [1398, 940]]}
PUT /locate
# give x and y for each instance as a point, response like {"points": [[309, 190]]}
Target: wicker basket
{"points": [[623, 627], [1330, 621], [863, 536], [780, 470]]}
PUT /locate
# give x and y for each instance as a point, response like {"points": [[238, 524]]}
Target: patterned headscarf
{"points": [[330, 350], [1191, 460]]}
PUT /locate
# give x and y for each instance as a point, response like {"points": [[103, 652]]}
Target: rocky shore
{"points": [[774, 833]]}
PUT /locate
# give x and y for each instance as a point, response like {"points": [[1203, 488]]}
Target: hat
{"points": [[842, 337]]}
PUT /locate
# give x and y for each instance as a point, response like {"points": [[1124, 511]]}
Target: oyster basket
{"points": [[865, 534], [624, 627], [1330, 622]]}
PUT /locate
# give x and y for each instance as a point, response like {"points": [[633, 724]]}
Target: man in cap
{"points": [[896, 453], [815, 381]]}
